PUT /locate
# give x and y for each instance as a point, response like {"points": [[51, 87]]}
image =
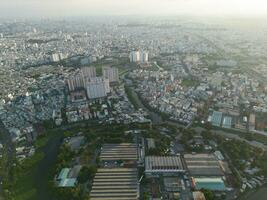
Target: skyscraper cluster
{"points": [[139, 56], [95, 87]]}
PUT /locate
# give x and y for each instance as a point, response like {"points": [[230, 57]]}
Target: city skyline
{"points": [[60, 8]]}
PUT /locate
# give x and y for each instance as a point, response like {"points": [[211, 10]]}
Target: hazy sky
{"points": [[51, 8]]}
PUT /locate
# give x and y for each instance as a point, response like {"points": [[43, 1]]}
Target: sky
{"points": [[66, 8]]}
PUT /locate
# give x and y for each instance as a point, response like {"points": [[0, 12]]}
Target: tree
{"points": [[209, 195], [86, 173], [208, 125]]}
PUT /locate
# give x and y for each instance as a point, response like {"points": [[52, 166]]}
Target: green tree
{"points": [[209, 195], [86, 173]]}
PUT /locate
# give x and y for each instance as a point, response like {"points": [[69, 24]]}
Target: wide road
{"points": [[233, 136]]}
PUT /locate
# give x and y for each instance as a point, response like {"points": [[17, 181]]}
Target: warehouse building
{"points": [[155, 165], [215, 184], [227, 122], [119, 152], [115, 184], [216, 118], [203, 165]]}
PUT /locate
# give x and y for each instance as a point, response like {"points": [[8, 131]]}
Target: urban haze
{"points": [[133, 100]]}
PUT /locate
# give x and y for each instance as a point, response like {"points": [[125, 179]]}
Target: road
{"points": [[233, 136]]}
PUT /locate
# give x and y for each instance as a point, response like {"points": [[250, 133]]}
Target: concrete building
{"points": [[55, 57], [111, 73], [134, 56], [75, 82], [88, 72], [139, 56], [97, 87], [252, 121], [143, 57]]}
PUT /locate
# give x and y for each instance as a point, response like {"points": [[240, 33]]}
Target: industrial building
{"points": [[227, 122], [115, 184], [203, 165], [119, 152], [68, 176], [155, 165], [216, 184], [216, 118]]}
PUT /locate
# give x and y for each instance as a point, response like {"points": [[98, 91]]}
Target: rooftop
{"points": [[163, 163], [203, 165], [115, 183], [122, 151], [209, 183]]}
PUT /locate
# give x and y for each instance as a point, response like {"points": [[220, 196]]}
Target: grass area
{"points": [[190, 82]]}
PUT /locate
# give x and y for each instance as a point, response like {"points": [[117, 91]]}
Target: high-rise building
{"points": [[55, 57], [75, 82], [135, 56], [139, 56], [143, 57], [97, 87], [80, 80], [111, 73], [88, 72]]}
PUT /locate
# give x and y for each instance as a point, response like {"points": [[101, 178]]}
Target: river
{"points": [[45, 166]]}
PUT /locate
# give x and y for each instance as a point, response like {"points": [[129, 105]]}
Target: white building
{"points": [[97, 87], [139, 56], [55, 57], [144, 57], [135, 56], [111, 73], [80, 79]]}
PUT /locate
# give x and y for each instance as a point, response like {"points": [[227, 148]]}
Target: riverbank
{"points": [[33, 175]]}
